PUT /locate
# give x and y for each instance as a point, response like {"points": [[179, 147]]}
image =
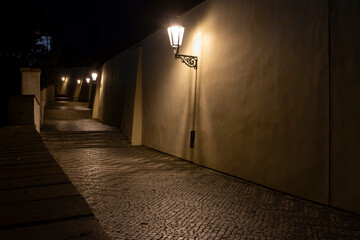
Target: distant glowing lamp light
{"points": [[176, 35], [94, 76], [63, 79], [78, 81], [87, 80]]}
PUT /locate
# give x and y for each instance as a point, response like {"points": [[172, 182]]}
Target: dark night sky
{"points": [[108, 26]]}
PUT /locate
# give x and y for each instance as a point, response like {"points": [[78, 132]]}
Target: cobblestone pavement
{"points": [[140, 193]]}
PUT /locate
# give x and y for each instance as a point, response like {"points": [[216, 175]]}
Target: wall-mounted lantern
{"points": [[176, 35], [87, 80], [78, 81], [94, 76]]}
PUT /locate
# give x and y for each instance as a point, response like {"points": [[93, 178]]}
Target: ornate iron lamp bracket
{"points": [[190, 61]]}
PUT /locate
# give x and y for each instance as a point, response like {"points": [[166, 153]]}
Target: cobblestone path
{"points": [[139, 193]]}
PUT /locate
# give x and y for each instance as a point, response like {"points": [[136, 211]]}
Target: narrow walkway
{"points": [[139, 193], [37, 200]]}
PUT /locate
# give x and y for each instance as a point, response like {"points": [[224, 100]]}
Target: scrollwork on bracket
{"points": [[190, 61]]}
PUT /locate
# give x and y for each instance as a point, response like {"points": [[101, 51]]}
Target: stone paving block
{"points": [[16, 183], [19, 147], [37, 193], [37, 200], [15, 160], [23, 144], [28, 166], [42, 211], [74, 229], [17, 156], [33, 151], [29, 172]]}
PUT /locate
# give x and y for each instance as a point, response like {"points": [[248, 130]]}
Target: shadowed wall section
{"points": [[345, 79], [114, 99]]}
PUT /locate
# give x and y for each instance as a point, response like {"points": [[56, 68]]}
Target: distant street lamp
{"points": [[94, 76], [63, 79], [176, 35], [78, 81], [92, 90], [87, 80]]}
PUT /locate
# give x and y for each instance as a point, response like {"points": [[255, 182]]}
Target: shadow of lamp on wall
{"points": [[176, 35]]}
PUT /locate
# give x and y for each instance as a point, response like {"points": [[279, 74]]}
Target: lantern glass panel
{"points": [[176, 34]]}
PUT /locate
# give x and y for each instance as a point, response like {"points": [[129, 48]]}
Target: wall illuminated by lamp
{"points": [[262, 113], [197, 44]]}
